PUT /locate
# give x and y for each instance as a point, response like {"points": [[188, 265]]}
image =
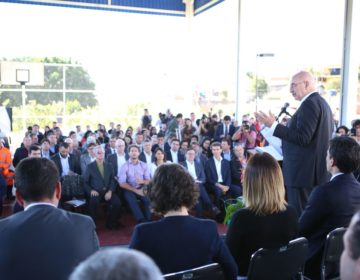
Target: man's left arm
{"points": [[314, 213], [307, 123]]}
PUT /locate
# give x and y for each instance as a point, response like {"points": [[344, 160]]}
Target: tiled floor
{"points": [[107, 237]]}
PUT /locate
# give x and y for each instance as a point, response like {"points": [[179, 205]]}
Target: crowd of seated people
{"points": [[118, 167]]}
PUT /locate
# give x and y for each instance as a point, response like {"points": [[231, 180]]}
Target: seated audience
{"points": [[159, 159], [218, 176], [146, 155], [45, 149], [196, 170], [226, 149], [237, 165], [87, 157], [205, 147], [117, 264], [342, 131], [23, 151], [266, 221], [133, 178], [224, 129], [332, 204], [43, 242], [350, 258], [100, 186], [179, 241], [174, 155]]}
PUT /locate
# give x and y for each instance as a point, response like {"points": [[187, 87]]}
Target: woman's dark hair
{"points": [[171, 188], [344, 128], [162, 151]]}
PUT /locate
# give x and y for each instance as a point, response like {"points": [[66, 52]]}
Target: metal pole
{"points": [[237, 113], [256, 83], [64, 95], [23, 97]]}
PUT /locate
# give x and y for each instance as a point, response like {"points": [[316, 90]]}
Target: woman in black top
{"points": [[266, 221]]}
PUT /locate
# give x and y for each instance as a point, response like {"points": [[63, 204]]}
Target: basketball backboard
{"points": [[10, 70]]}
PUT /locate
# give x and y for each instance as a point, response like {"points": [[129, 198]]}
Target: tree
{"points": [[260, 83], [77, 78]]}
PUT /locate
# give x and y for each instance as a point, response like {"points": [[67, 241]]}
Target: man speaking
{"points": [[305, 140]]}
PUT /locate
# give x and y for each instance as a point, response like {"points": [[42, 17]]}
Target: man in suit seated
{"points": [[118, 159], [174, 154], [226, 148], [197, 172], [350, 258], [45, 149], [199, 156], [66, 162], [111, 147], [160, 142], [87, 157], [146, 155], [332, 204], [43, 242], [224, 129], [100, 186], [237, 166], [134, 176], [218, 176]]}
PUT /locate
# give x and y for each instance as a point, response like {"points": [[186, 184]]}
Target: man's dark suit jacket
{"points": [[45, 242], [199, 170], [305, 142], [183, 242], [142, 157], [112, 159], [181, 157], [331, 205], [94, 181], [73, 163], [219, 132], [20, 153], [211, 174]]}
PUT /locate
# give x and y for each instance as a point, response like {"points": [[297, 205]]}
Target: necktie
{"points": [[226, 130]]}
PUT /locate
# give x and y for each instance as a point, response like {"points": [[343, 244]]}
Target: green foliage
{"points": [[262, 86], [233, 206], [77, 78]]}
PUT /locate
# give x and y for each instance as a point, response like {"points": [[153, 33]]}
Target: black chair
{"points": [[332, 252], [207, 272], [284, 263]]}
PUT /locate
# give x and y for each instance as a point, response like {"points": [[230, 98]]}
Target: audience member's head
{"points": [[35, 151], [342, 130], [263, 185], [172, 188], [134, 151], [190, 155], [117, 264], [37, 180], [175, 145], [350, 258], [160, 156], [216, 149], [120, 146], [343, 155]]}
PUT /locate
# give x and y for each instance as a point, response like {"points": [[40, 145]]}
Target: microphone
{"points": [[283, 110]]}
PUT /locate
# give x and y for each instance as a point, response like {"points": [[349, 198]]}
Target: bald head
{"points": [[302, 83]]}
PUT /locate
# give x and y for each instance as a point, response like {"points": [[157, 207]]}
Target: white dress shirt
{"points": [[218, 169], [191, 169], [120, 162], [64, 165], [174, 156]]}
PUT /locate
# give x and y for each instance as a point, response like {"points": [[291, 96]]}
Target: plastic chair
{"points": [[207, 272], [332, 252], [283, 263]]}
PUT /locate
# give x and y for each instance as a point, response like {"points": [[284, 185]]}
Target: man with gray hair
{"points": [[117, 264], [100, 186]]}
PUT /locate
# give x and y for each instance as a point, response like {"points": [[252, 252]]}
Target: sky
{"points": [[141, 58]]}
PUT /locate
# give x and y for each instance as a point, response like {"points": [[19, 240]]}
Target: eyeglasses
{"points": [[296, 84]]}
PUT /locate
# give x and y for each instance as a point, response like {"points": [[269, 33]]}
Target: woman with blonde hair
{"points": [[266, 221]]}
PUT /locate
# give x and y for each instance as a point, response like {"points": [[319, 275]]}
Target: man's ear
{"points": [[58, 191], [332, 162], [19, 199]]}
